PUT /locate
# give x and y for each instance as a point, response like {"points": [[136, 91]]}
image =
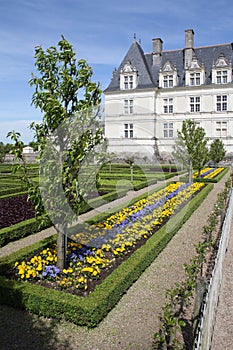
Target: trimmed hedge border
{"points": [[20, 230], [91, 310], [13, 195], [11, 191], [31, 226]]}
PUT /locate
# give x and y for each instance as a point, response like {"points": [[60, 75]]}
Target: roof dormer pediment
{"points": [[195, 64], [128, 68], [221, 61], [168, 67]]}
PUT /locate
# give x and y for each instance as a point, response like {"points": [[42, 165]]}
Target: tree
{"points": [[191, 147], [217, 151], [33, 145], [201, 153], [4, 149], [2, 152], [130, 159], [67, 136], [111, 156]]}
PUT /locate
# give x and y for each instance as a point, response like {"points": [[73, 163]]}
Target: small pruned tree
{"points": [[190, 148], [68, 137], [217, 151], [130, 160], [110, 157], [201, 153], [2, 151]]}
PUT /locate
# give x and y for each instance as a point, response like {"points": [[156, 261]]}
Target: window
{"points": [[168, 77], [221, 103], [221, 76], [128, 82], [195, 104], [128, 76], [195, 79], [128, 106], [168, 81], [168, 130], [222, 70], [168, 105], [221, 129], [128, 131]]}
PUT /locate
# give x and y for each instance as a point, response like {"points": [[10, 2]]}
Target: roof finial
{"points": [[134, 36], [114, 72]]}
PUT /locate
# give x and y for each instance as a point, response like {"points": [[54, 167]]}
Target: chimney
{"points": [[189, 39], [157, 50], [189, 47]]}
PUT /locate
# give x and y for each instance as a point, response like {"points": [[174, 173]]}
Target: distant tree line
{"points": [[9, 148]]}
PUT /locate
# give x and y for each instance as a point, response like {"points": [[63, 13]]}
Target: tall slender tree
{"points": [[217, 151], [191, 147], [67, 137]]}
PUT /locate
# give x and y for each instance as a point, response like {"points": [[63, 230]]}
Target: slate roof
{"points": [[148, 74]]}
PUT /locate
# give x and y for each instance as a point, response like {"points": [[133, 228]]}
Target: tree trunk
{"points": [[61, 246], [190, 171]]}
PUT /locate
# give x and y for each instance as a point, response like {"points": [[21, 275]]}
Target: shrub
{"points": [[21, 230]]}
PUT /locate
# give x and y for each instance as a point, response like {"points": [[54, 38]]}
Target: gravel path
{"points": [[223, 329], [132, 323]]}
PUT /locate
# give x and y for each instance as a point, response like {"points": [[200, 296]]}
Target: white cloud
{"points": [[21, 126]]}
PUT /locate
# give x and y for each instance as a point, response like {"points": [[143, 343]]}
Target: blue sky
{"points": [[101, 32]]}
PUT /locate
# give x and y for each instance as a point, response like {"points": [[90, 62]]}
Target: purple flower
{"points": [[80, 254], [51, 271]]}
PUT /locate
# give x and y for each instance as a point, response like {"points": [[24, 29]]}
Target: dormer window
{"points": [[221, 71], [195, 74], [168, 77], [167, 81], [128, 82], [195, 78], [128, 77], [221, 76]]}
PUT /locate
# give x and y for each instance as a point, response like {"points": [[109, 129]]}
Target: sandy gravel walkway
{"points": [[223, 329], [132, 323]]}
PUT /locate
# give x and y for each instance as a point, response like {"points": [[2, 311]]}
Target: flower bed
{"points": [[115, 237], [208, 173], [89, 311]]}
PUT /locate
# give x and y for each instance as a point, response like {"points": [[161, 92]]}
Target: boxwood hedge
{"points": [[91, 310]]}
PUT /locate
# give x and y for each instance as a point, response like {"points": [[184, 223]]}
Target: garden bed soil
{"points": [[115, 262], [14, 210], [18, 208]]}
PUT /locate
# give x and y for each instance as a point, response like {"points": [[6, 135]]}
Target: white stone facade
{"points": [[151, 94]]}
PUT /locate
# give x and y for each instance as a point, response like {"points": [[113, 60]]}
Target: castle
{"points": [[150, 95]]}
